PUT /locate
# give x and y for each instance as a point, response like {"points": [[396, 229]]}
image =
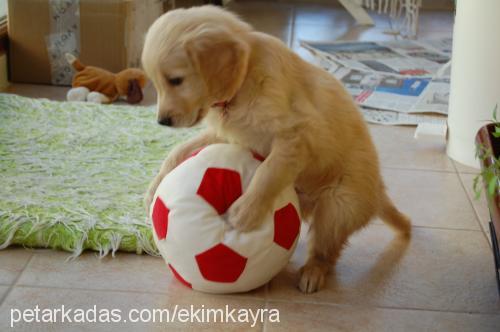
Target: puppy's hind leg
{"points": [[336, 216]]}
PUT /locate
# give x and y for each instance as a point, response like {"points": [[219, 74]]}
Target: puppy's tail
{"points": [[72, 60], [394, 218]]}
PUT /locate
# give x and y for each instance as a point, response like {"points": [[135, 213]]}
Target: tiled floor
{"points": [[443, 280]]}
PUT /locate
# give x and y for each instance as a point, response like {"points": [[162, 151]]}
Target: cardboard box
{"points": [[105, 33]]}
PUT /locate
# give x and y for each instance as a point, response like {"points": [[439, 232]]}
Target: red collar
{"points": [[221, 104]]}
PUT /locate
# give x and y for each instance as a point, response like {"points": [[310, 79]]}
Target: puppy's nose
{"points": [[165, 121]]}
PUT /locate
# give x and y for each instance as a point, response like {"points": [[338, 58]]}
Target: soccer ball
{"points": [[190, 229]]}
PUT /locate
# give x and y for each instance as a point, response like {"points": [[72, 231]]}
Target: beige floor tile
{"points": [[38, 91], [12, 262], [444, 270], [424, 34], [332, 16], [437, 20], [269, 17], [432, 199], [480, 205], [125, 272], [461, 168], [398, 149], [432, 24], [313, 317], [325, 15], [278, 30], [435, 24], [262, 11], [3, 292], [324, 33], [363, 33], [49, 298]]}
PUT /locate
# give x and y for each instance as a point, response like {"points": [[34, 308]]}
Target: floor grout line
{"points": [[14, 283], [267, 302], [463, 171], [149, 292], [478, 218], [428, 170], [384, 307], [448, 228], [264, 324], [381, 223]]}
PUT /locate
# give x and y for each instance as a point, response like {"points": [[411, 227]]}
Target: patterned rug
{"points": [[72, 175]]}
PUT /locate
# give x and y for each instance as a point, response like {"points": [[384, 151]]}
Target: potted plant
{"points": [[488, 152]]}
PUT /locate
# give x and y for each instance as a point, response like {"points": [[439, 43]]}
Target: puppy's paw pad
{"points": [[243, 222], [243, 217], [312, 278]]}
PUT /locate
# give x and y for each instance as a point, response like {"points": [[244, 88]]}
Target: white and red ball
{"points": [[192, 234]]}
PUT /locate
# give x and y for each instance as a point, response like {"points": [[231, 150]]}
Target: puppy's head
{"points": [[195, 57]]}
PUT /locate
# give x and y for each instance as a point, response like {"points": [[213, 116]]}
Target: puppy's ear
{"points": [[220, 58]]}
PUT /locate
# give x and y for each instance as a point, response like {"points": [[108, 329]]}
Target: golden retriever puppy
{"points": [[250, 89]]}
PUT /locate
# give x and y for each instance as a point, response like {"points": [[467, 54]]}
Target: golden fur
{"points": [[295, 114]]}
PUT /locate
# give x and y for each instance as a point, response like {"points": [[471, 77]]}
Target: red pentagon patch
{"points": [[258, 156], [286, 226], [221, 264], [160, 218], [220, 187], [178, 276]]}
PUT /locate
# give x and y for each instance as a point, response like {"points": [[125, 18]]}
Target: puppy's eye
{"points": [[175, 81]]}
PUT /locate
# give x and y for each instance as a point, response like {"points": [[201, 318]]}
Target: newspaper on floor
{"points": [[399, 58], [402, 119], [406, 76]]}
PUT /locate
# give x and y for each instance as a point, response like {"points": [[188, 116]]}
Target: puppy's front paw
{"points": [[312, 277], [245, 214], [148, 199]]}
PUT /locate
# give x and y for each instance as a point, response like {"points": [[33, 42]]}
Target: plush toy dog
{"points": [[101, 86]]}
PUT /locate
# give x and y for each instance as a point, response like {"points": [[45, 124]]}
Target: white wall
{"points": [[3, 8], [475, 75]]}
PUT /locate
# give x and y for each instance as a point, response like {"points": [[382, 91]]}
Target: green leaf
{"points": [[492, 185], [477, 187], [495, 113], [496, 133]]}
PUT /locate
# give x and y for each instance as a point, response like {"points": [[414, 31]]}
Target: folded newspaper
{"points": [[402, 82]]}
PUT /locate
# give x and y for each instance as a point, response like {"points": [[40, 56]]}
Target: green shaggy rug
{"points": [[72, 175]]}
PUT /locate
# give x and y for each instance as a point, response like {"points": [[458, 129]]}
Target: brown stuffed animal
{"points": [[101, 86]]}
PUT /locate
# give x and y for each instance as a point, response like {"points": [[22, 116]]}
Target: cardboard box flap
{"points": [[28, 51], [108, 34]]}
